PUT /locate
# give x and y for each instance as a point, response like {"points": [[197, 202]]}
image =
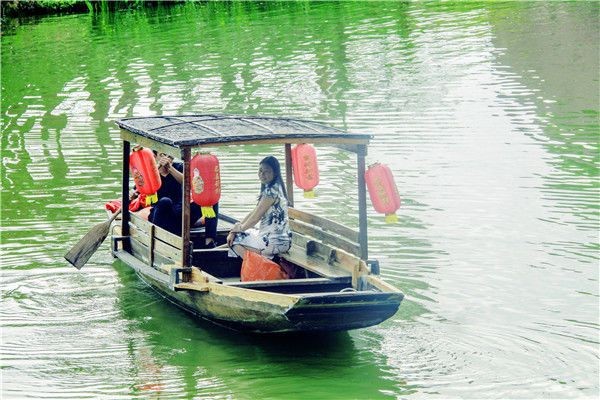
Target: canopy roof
{"points": [[207, 129]]}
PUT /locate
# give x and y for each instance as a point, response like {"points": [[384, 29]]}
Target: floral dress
{"points": [[273, 235]]}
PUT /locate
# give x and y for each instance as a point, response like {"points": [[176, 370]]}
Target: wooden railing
{"points": [[325, 231], [148, 240], [322, 246]]}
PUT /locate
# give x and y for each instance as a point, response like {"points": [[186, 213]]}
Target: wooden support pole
{"points": [[185, 214], [125, 195], [362, 203], [289, 177], [151, 247]]}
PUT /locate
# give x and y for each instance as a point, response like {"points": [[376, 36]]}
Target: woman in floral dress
{"points": [[273, 234]]}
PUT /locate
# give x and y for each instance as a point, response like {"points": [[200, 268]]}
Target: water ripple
{"points": [[489, 129]]}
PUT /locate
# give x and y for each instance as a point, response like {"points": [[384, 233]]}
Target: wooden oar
{"points": [[222, 246], [87, 245]]}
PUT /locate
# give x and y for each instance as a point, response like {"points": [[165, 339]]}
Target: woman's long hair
{"points": [[274, 164]]}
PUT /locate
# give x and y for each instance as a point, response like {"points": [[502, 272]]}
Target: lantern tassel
{"points": [[208, 212], [391, 218], [309, 194], [151, 199]]}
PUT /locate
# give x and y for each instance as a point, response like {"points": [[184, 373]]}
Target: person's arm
{"points": [[166, 165], [252, 218], [255, 215], [245, 218], [176, 174]]}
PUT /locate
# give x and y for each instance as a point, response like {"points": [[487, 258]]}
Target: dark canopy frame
{"points": [[177, 135]]}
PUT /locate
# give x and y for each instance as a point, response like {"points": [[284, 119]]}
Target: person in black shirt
{"points": [[166, 213]]}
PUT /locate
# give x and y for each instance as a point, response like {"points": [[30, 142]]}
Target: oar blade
{"points": [[79, 255], [87, 245]]}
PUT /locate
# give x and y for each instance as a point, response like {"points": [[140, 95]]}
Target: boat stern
{"points": [[343, 311]]}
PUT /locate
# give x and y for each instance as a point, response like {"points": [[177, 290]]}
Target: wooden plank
{"points": [[198, 275], [149, 143], [345, 259], [160, 233], [140, 251], [213, 250], [288, 282], [192, 286], [166, 268], [298, 256], [335, 257], [140, 267], [281, 282], [382, 285], [160, 247], [199, 282], [325, 224], [335, 241]]}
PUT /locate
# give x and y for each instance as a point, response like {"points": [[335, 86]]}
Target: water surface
{"points": [[487, 115]]}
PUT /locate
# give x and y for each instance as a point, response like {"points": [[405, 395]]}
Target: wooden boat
{"points": [[339, 287]]}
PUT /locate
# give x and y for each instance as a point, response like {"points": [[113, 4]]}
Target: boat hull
{"points": [[267, 312], [343, 311]]}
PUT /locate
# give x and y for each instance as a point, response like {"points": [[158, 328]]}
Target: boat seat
{"points": [[224, 225], [288, 282], [298, 256], [297, 286]]}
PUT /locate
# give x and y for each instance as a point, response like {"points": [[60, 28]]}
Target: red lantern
{"points": [[205, 182], [383, 191], [145, 173], [306, 170]]}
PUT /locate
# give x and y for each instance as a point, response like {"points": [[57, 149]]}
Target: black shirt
{"points": [[170, 187]]}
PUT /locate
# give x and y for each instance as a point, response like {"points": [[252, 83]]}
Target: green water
{"points": [[487, 114]]}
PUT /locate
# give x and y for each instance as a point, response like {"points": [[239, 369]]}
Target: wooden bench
{"points": [[297, 286], [286, 282], [315, 264], [325, 231]]}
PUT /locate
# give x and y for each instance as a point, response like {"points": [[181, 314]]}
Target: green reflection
{"points": [[164, 338]]}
